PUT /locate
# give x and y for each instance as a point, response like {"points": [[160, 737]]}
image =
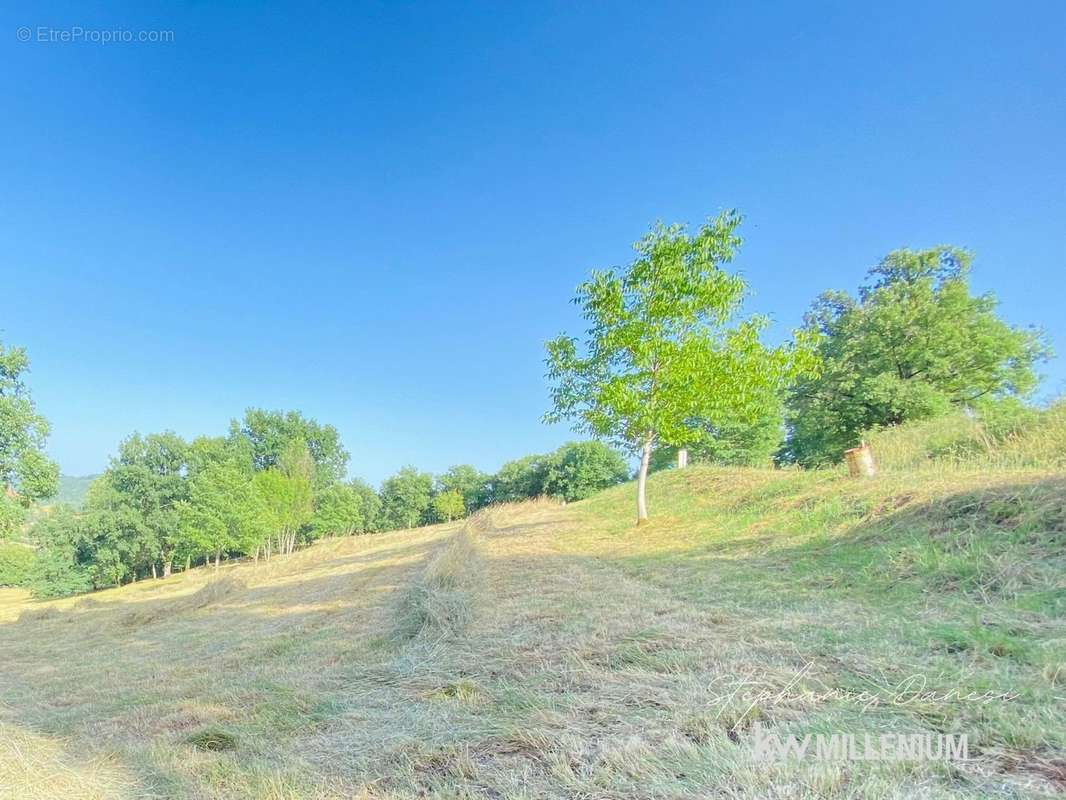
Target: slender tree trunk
{"points": [[218, 554], [642, 480], [168, 567], [188, 563]]}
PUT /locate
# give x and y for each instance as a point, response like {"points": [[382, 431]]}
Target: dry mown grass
{"points": [[547, 651]]}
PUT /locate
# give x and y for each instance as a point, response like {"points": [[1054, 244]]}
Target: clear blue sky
{"points": [[376, 213]]}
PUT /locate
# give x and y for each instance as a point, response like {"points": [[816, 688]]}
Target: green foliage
{"points": [[406, 499], [448, 505], [371, 504], [53, 575], [286, 494], [16, 561], [12, 514], [519, 479], [470, 482], [268, 433], [659, 355], [223, 511], [914, 345], [580, 469], [65, 560], [23, 432], [735, 444], [339, 512], [140, 495]]}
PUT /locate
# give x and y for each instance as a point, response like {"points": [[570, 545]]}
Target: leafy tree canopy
{"points": [[269, 432], [339, 512], [737, 444], [448, 505], [24, 469], [470, 482], [580, 469], [661, 352], [519, 479], [406, 499], [913, 344]]}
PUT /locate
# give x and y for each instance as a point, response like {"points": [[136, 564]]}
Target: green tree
{"points": [[26, 474], [734, 444], [580, 469], [371, 504], [469, 481], [519, 479], [659, 354], [287, 495], [338, 512], [914, 344], [406, 499], [64, 558], [268, 433], [16, 561], [223, 512], [142, 490], [449, 505]]}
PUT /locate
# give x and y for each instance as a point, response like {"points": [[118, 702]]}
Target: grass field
{"points": [[549, 651]]}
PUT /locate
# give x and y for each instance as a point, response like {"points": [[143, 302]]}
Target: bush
{"points": [[16, 560], [580, 469], [54, 574]]}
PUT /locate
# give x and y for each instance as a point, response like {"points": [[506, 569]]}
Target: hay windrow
{"points": [[211, 593], [442, 600]]}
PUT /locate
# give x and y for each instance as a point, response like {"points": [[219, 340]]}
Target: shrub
{"points": [[16, 560], [580, 469], [54, 574]]}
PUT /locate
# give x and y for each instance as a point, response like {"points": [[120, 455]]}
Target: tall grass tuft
{"points": [[999, 436]]}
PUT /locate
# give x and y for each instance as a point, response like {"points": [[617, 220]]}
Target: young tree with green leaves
{"points": [[660, 354], [338, 512], [223, 512], [26, 474], [371, 505], [448, 505], [406, 499], [469, 481], [913, 345], [746, 443], [287, 495]]}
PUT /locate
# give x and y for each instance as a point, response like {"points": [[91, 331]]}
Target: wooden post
{"points": [[861, 462], [682, 458]]}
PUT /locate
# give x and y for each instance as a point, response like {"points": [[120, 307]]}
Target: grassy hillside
{"points": [[547, 651], [72, 490]]}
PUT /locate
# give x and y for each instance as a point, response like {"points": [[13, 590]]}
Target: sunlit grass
{"points": [[549, 651]]}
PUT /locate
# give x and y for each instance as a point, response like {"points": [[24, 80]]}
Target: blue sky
{"points": [[377, 212]]}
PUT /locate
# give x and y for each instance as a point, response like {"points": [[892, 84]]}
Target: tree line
{"points": [[277, 481], [667, 362]]}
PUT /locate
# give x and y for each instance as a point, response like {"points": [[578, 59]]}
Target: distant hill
{"points": [[72, 490]]}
